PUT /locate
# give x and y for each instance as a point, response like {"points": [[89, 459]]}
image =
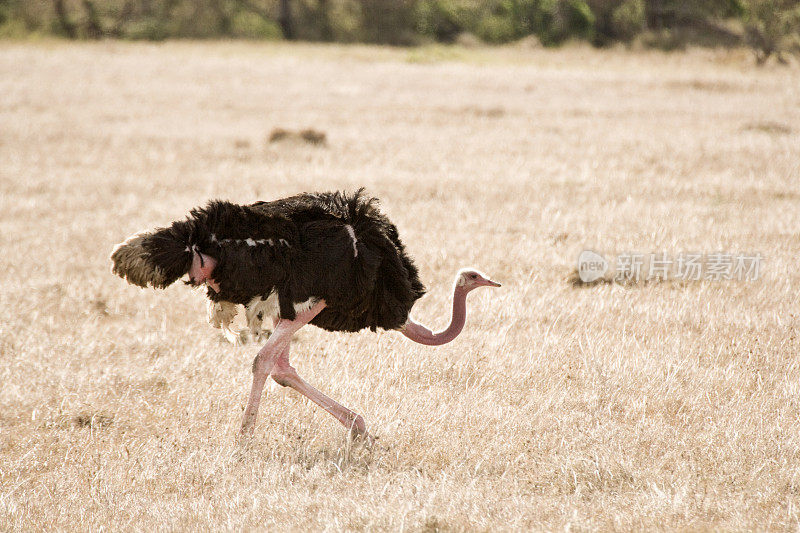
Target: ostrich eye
{"points": [[473, 276]]}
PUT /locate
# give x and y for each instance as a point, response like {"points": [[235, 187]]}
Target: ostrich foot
{"points": [[366, 438]]}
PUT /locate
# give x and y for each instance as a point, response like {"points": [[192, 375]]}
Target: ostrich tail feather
{"points": [[156, 259]]}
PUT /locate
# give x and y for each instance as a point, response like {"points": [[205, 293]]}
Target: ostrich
{"points": [[329, 259]]}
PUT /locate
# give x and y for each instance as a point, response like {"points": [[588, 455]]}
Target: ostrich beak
{"points": [[490, 283]]}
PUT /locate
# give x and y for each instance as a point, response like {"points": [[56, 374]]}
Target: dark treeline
{"points": [[771, 27]]}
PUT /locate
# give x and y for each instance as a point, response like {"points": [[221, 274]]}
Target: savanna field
{"points": [[659, 405]]}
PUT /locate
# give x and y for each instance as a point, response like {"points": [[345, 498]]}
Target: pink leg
{"points": [[266, 358], [283, 373]]}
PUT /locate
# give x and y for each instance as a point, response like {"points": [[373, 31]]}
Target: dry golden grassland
{"points": [[647, 406]]}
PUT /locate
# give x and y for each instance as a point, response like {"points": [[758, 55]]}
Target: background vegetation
{"points": [[770, 27]]}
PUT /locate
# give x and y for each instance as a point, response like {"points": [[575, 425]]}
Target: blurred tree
{"points": [[326, 32], [441, 20], [388, 21], [66, 24], [285, 20], [669, 13], [94, 29], [773, 28], [618, 20], [628, 20]]}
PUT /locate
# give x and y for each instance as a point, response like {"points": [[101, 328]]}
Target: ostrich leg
{"points": [[284, 374], [268, 355]]}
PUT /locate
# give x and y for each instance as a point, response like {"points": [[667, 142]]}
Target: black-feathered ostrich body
{"points": [[307, 247], [329, 259]]}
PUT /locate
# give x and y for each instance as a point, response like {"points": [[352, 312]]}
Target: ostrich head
{"points": [[202, 271], [469, 279]]}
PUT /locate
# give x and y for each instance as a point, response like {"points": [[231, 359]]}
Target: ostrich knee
{"points": [[261, 364], [283, 373]]}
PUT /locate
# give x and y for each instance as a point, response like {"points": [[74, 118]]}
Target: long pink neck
{"points": [[421, 334]]}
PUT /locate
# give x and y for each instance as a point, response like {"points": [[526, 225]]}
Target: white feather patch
{"points": [[352, 233], [248, 241], [221, 315], [299, 307], [259, 309]]}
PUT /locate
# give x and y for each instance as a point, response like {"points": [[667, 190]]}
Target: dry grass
{"points": [[655, 406]]}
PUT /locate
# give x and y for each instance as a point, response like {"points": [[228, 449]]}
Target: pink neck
{"points": [[421, 334]]}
